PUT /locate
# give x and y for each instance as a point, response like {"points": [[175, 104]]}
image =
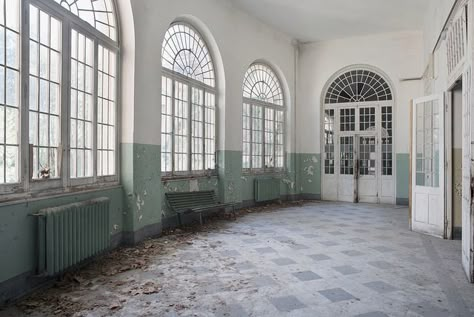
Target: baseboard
{"points": [[402, 201], [133, 238], [457, 233]]}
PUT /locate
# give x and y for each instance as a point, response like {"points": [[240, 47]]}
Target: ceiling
{"points": [[316, 20]]}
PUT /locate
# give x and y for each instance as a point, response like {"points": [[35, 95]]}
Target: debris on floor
{"points": [[71, 295]]}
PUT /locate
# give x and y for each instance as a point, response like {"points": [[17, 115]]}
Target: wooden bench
{"points": [[195, 202]]}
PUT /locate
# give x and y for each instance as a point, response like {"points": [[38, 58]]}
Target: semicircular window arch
{"points": [[185, 52], [98, 13], [261, 83], [358, 86]]}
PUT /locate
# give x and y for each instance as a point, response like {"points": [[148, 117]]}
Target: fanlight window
{"points": [[185, 52], [262, 84], [263, 117], [98, 13], [358, 86]]}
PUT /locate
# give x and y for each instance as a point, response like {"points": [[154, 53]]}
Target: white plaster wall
{"points": [[240, 40], [399, 55]]}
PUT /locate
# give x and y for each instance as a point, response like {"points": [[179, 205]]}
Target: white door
{"points": [[428, 174], [367, 155]]}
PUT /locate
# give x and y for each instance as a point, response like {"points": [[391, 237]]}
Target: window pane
{"points": [[81, 107], [106, 109], [257, 137], [45, 132], [98, 13], [181, 133], [329, 121], [166, 124], [9, 91], [210, 131]]}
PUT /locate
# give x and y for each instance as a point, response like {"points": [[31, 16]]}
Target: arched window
{"points": [[358, 114], [263, 120], [67, 134], [188, 103]]}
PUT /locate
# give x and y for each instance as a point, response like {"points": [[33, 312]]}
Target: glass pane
{"points": [[45, 86], [427, 144]]}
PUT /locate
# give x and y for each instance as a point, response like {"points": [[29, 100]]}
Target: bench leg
{"points": [[233, 212], [200, 218], [179, 219]]}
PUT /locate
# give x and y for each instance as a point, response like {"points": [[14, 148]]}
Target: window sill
{"points": [[169, 178], [264, 173], [18, 198]]}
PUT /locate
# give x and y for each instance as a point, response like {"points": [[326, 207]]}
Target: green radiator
{"points": [[70, 234], [267, 189]]}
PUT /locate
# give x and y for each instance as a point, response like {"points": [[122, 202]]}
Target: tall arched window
{"points": [[188, 103], [263, 120], [65, 134]]}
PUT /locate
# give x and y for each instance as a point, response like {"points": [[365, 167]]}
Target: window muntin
{"points": [[262, 84], [367, 119], [9, 91], [45, 93], [98, 13], [188, 110], [358, 86], [263, 120], [57, 146], [347, 117], [185, 53], [329, 159]]}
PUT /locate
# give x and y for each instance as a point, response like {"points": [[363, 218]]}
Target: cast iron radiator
{"points": [[267, 189], [70, 234]]}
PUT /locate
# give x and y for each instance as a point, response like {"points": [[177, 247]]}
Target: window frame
{"points": [[27, 185], [191, 82], [265, 105], [196, 84], [275, 108]]}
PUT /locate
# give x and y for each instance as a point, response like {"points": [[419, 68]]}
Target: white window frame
{"points": [[191, 83], [276, 108], [64, 183]]}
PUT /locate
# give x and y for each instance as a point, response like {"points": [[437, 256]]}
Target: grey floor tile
{"points": [[287, 303], [230, 253], [336, 295], [346, 269], [320, 257], [265, 250], [352, 253], [263, 281], [380, 287], [384, 265], [307, 276], [383, 249], [283, 261], [232, 310], [373, 314], [329, 243]]}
